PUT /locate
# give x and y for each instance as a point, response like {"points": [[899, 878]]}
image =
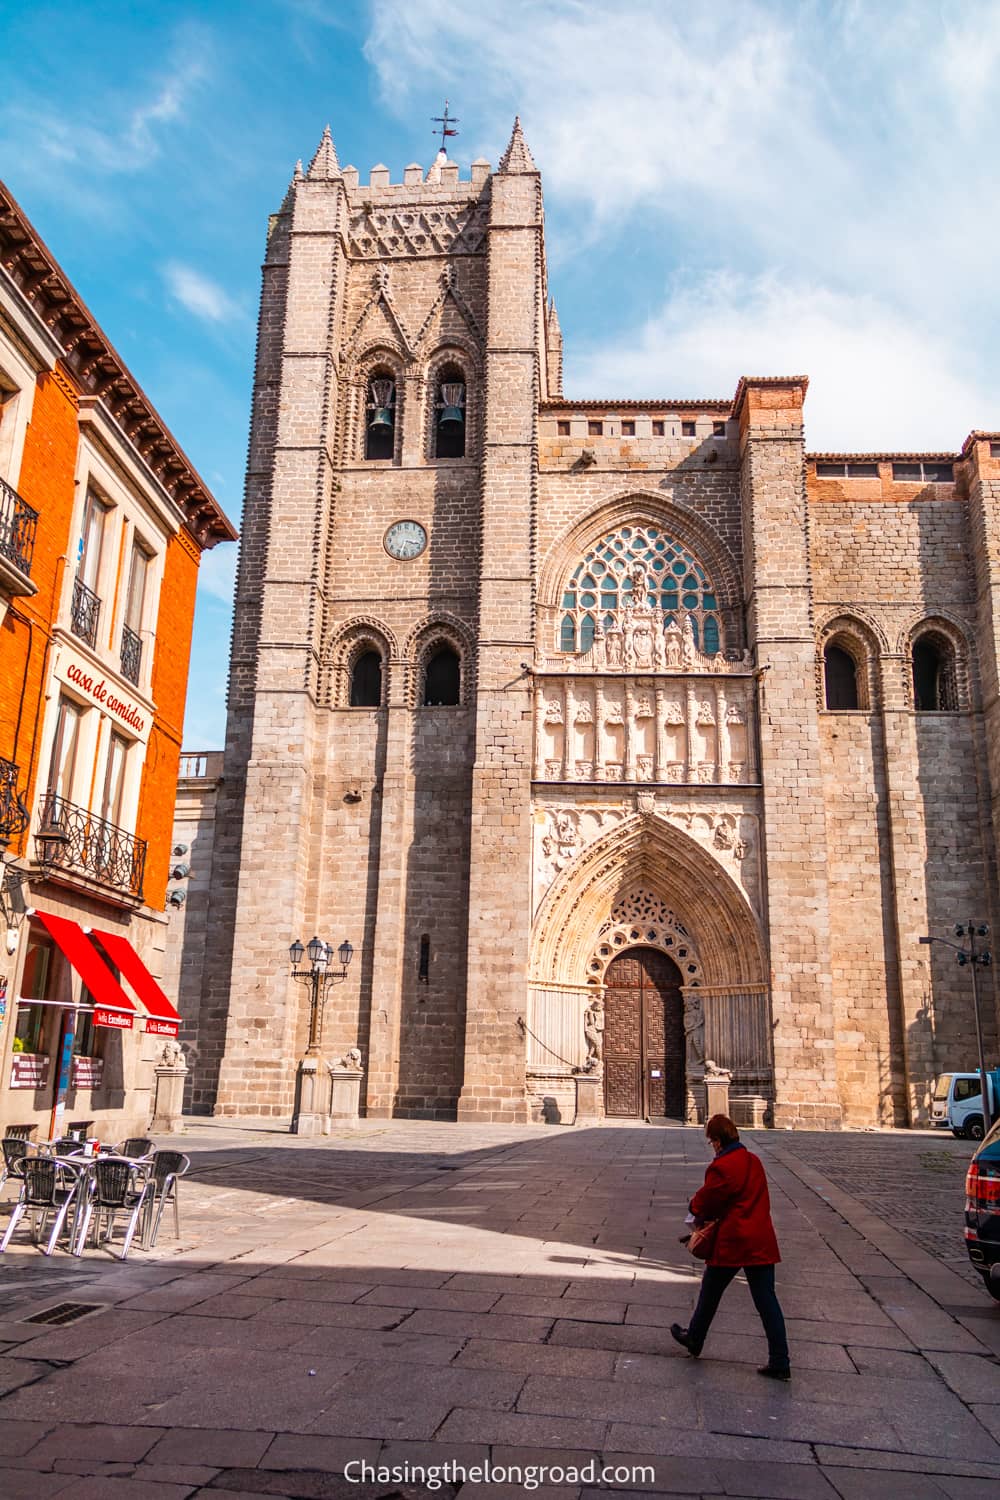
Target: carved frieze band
{"points": [[622, 729], [428, 229]]}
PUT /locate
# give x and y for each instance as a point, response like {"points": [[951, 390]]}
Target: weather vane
{"points": [[446, 123]]}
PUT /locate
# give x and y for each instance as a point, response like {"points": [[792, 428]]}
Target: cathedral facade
{"points": [[617, 736]]}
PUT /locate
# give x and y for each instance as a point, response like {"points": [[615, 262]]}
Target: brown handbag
{"points": [[701, 1241]]}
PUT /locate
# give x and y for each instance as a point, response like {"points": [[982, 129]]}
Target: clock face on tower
{"points": [[405, 539]]}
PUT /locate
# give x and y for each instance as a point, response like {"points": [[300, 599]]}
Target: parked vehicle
{"points": [[958, 1103], [982, 1211]]}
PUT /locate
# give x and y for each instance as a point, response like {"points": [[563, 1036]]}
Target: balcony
{"points": [[18, 523], [74, 841], [131, 655], [86, 614], [14, 815]]}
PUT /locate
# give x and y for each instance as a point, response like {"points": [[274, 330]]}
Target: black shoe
{"points": [[681, 1336], [771, 1374]]}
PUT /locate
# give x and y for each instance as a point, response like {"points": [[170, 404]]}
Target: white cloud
{"points": [[137, 138], [876, 381], [199, 294], [217, 573], [830, 161]]}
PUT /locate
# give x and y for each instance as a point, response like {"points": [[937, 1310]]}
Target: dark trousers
{"points": [[760, 1280]]}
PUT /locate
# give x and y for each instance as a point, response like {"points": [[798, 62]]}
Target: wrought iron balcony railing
{"points": [[86, 612], [14, 815], [131, 655], [72, 839], [17, 528]]}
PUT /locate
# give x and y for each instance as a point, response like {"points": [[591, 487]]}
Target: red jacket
{"points": [[735, 1193]]}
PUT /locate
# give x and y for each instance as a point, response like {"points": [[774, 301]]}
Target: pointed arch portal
{"points": [[646, 852], [644, 889]]}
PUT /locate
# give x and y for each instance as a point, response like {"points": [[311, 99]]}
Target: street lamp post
{"points": [[312, 1077], [979, 958]]}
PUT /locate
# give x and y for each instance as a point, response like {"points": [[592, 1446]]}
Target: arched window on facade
{"points": [[935, 679], [366, 680], [380, 415], [603, 582], [449, 413], [840, 676], [442, 678]]}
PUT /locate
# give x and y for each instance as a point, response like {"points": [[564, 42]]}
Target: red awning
{"points": [[162, 1018], [70, 939]]}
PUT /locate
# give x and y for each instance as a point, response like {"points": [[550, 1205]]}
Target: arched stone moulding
{"points": [[645, 852]]}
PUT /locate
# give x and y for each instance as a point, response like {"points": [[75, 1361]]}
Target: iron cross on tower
{"points": [[446, 123]]}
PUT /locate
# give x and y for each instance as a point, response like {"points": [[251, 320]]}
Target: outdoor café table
{"points": [[112, 1193]]}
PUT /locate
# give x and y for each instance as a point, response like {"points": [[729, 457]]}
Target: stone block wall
{"points": [[844, 836]]}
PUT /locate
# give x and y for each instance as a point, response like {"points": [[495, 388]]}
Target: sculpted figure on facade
{"points": [[593, 1031], [639, 580], [727, 839], [172, 1055], [694, 1031], [689, 651], [350, 1062]]}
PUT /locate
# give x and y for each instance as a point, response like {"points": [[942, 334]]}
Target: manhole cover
{"points": [[65, 1312]]}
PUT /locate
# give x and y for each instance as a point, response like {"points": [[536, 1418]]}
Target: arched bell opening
{"points": [[380, 427], [449, 413]]}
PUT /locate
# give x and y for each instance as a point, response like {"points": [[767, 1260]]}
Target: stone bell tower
{"points": [[378, 752]]}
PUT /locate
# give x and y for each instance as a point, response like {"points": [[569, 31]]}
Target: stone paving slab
{"points": [[422, 1292]]}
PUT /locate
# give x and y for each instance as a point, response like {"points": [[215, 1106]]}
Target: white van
{"points": [[958, 1103]]}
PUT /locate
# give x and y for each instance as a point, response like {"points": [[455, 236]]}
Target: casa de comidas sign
{"points": [[104, 690]]}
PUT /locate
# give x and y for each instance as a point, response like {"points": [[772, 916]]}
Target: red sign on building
{"points": [[88, 1072], [117, 1019], [29, 1070], [161, 1028]]}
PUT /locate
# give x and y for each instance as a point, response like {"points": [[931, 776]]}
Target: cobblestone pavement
{"points": [[410, 1295], [914, 1180]]}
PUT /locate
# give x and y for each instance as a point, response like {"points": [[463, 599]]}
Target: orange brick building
{"points": [[102, 525]]}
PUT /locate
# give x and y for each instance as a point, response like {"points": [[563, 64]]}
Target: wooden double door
{"points": [[643, 1036]]}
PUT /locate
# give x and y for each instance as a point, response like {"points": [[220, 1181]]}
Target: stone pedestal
{"points": [[168, 1099], [312, 1097], [717, 1081], [589, 1099], [345, 1093]]}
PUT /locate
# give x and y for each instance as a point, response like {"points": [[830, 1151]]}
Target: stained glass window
{"points": [[601, 585]]}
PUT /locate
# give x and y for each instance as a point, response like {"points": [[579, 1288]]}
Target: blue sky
{"points": [[742, 188]]}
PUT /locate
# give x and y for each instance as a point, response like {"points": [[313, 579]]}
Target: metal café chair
{"points": [[118, 1187], [48, 1186], [136, 1147], [166, 1170], [15, 1149]]}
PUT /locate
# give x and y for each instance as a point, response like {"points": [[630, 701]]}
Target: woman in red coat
{"points": [[734, 1194]]}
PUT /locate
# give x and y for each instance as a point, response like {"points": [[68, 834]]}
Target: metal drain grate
{"points": [[65, 1312]]}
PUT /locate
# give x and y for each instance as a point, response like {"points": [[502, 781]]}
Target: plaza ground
{"points": [[417, 1294]]}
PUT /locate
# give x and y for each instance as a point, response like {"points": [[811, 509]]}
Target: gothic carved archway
{"points": [[645, 853]]}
